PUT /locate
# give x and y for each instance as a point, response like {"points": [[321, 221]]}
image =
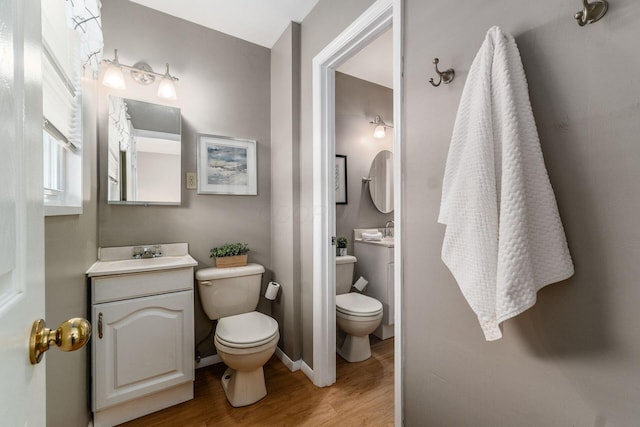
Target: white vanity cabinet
{"points": [[375, 263], [143, 337]]}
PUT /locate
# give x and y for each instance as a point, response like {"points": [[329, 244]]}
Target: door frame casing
{"points": [[381, 16]]}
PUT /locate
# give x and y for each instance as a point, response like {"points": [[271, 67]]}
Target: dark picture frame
{"points": [[340, 178]]}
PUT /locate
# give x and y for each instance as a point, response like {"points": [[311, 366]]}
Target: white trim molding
{"points": [[382, 15], [208, 361], [286, 360], [292, 365], [306, 370], [398, 217]]}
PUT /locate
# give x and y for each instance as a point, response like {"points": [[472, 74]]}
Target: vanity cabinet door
{"points": [[146, 346]]}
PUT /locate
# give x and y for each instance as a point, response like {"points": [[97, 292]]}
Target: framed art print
{"points": [[226, 165], [341, 179]]}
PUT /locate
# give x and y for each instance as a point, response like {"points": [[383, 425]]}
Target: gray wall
{"points": [[70, 249], [357, 103], [285, 186], [572, 359], [224, 89], [323, 24]]}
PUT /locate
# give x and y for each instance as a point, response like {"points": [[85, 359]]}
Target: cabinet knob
{"points": [[70, 336]]}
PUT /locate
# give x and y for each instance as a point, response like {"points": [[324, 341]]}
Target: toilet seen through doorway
{"points": [[357, 315]]}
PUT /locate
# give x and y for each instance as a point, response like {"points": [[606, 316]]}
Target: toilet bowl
{"points": [[357, 315], [244, 339], [245, 342]]}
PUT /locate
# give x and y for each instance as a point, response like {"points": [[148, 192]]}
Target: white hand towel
{"points": [[372, 236], [504, 239]]}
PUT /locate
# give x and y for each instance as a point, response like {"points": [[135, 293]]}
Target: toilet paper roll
{"points": [[360, 284], [272, 290]]}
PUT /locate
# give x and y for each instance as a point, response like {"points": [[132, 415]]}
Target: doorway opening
{"points": [[379, 18]]}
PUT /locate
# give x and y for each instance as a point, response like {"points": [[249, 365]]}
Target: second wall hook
{"points": [[591, 12], [445, 76]]}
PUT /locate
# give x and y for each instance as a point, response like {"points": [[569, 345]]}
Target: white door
{"points": [[22, 385]]}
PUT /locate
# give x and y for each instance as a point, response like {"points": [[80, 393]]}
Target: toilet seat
{"points": [[246, 330], [358, 305]]}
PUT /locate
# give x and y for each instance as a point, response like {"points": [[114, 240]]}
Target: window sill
{"points": [[52, 210]]}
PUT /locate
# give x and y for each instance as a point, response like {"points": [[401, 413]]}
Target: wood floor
{"points": [[361, 396]]}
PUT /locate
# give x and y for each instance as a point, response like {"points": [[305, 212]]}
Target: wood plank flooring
{"points": [[361, 396]]}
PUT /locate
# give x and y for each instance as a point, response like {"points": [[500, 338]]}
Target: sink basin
{"points": [[102, 268], [113, 262]]}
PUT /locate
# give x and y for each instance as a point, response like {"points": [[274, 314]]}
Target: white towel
{"points": [[372, 236], [504, 239]]}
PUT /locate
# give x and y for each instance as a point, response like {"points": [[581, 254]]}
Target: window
{"points": [[62, 111], [62, 169], [53, 176]]}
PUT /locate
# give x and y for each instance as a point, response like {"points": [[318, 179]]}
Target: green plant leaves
{"points": [[229, 249]]}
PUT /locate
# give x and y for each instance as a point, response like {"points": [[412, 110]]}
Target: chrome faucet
{"points": [[147, 252], [387, 231]]}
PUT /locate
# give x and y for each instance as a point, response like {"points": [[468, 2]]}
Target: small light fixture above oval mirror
{"points": [[381, 127]]}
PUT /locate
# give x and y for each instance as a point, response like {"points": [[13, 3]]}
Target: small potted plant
{"points": [[341, 245], [230, 255]]}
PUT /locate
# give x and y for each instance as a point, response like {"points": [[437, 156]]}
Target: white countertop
{"points": [[119, 260], [387, 242]]}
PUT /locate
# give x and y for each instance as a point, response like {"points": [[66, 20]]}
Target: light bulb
{"points": [[167, 89], [379, 132], [113, 77]]}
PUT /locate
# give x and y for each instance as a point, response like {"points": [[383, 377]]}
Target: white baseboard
{"points": [[306, 370], [208, 361], [290, 364], [293, 366], [90, 422]]}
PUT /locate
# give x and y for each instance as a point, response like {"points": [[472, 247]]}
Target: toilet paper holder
{"points": [[360, 284], [272, 291]]}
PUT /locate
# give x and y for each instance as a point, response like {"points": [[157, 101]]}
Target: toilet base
{"points": [[243, 388], [355, 349]]}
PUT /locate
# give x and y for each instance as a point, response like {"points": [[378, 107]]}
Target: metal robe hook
{"points": [[591, 12], [446, 76]]}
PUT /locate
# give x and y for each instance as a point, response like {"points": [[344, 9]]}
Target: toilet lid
{"points": [[246, 329], [356, 304]]}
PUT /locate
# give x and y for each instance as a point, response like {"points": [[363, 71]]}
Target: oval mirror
{"points": [[381, 181]]}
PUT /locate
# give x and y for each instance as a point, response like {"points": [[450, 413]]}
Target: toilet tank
{"points": [[344, 273], [228, 291]]}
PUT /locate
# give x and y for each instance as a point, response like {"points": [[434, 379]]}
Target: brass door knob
{"points": [[70, 336]]}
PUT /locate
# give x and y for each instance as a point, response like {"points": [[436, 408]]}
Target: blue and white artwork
{"points": [[226, 165]]}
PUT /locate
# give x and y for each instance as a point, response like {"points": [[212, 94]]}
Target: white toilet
{"points": [[357, 315], [245, 339]]}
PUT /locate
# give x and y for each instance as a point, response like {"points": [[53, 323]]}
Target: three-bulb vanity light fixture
{"points": [[142, 73], [381, 127]]}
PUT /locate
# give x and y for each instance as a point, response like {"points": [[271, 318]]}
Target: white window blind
{"points": [[62, 111], [61, 73]]}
